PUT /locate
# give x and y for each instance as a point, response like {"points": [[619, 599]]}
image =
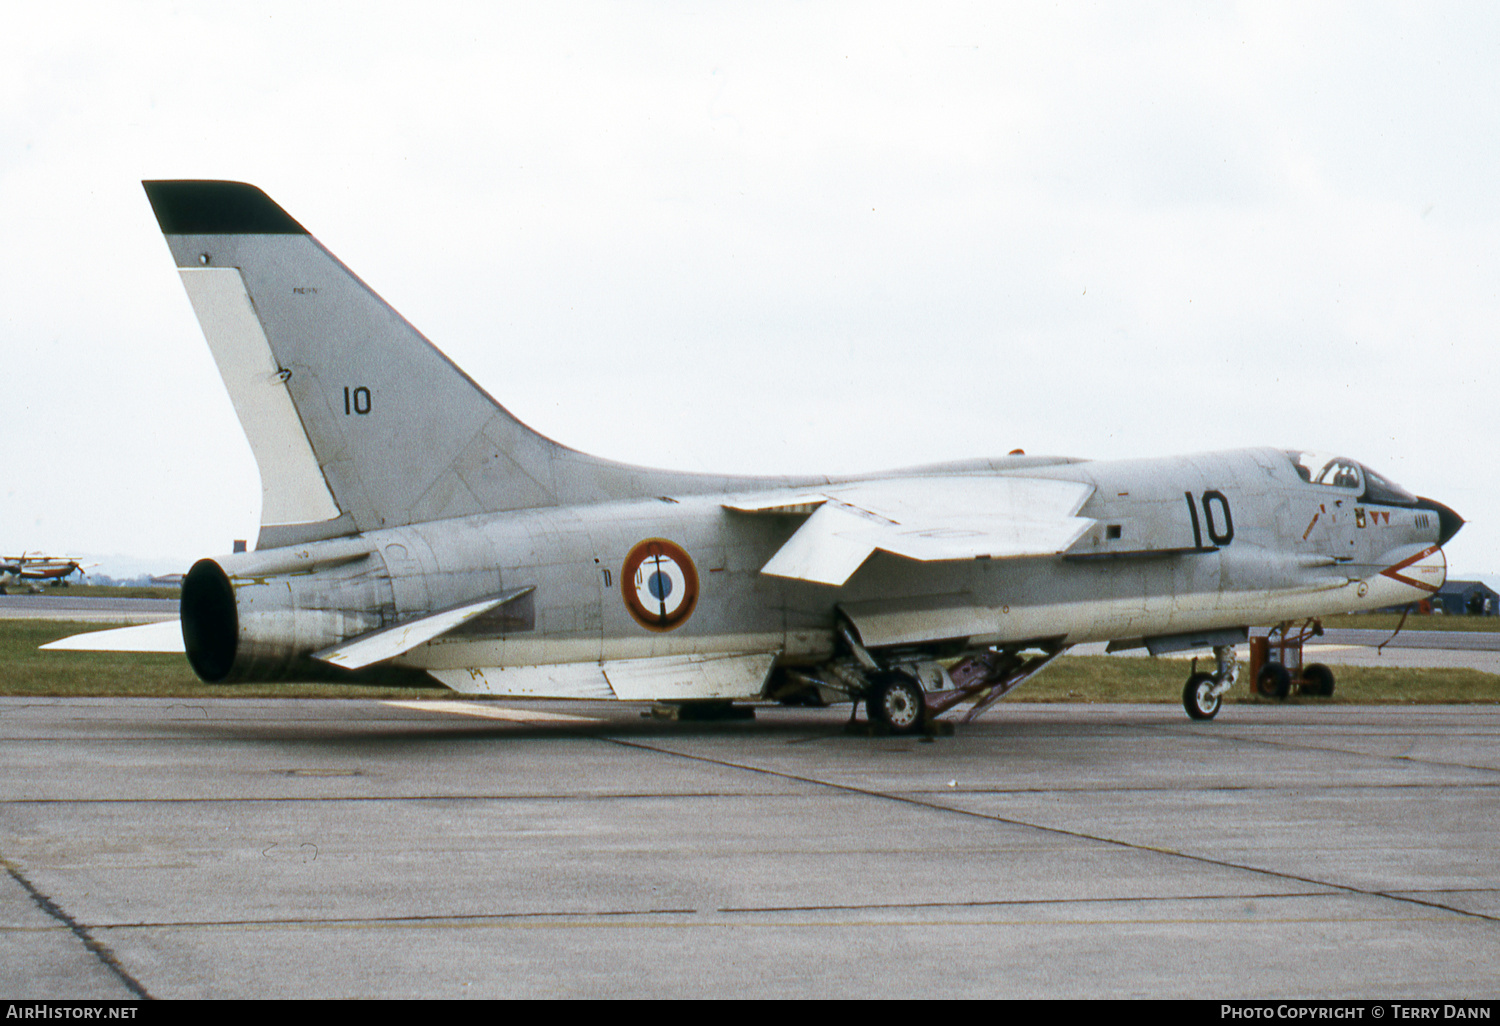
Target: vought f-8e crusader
{"points": [[413, 529]]}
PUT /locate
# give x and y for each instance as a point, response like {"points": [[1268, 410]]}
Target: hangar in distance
{"points": [[412, 529]]}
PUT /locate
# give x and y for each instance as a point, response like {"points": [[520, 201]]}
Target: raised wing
{"points": [[922, 518]]}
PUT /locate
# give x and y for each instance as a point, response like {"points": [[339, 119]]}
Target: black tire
{"points": [[897, 702], [1273, 681], [1317, 679], [1198, 698]]}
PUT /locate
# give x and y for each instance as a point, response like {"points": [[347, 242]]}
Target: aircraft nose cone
{"points": [[1448, 521]]}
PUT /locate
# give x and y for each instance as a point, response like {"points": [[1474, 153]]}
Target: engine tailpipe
{"points": [[210, 623]]}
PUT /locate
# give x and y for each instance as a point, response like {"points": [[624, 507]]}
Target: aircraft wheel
{"points": [[1317, 679], [1273, 681], [1198, 697], [897, 701]]}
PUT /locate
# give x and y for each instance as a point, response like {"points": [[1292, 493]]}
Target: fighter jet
{"points": [[412, 529]]}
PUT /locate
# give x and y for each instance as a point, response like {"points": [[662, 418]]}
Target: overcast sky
{"points": [[773, 238]]}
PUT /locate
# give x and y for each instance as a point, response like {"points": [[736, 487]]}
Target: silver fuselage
{"points": [[1181, 544]]}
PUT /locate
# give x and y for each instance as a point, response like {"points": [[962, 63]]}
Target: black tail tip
{"points": [[217, 208]]}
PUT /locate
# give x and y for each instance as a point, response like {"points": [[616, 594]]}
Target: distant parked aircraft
{"points": [[30, 569]]}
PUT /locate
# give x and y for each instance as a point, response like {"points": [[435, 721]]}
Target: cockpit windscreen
{"points": [[1320, 468]]}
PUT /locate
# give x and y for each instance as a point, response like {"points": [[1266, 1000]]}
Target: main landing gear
{"points": [[904, 690], [1201, 694], [896, 700]]}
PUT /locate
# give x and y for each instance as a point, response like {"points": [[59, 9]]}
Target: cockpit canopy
{"points": [[1320, 468]]}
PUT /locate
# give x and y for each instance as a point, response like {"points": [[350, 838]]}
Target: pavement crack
{"points": [[96, 947], [1024, 902], [936, 806], [1337, 749], [406, 920]]}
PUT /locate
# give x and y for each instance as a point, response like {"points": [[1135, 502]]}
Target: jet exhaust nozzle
{"points": [[241, 629], [210, 623]]}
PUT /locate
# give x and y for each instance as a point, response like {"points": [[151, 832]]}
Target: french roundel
{"points": [[659, 584]]}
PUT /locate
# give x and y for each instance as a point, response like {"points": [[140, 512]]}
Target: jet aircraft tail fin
{"points": [[357, 422]]}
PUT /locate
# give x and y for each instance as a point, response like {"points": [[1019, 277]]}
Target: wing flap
{"points": [[827, 549], [659, 678], [681, 677], [556, 680]]}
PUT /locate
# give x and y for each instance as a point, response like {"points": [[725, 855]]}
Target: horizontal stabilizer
{"points": [[923, 518], [389, 642], [147, 637]]}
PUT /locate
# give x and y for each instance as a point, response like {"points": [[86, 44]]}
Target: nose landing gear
{"points": [[1201, 694]]}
